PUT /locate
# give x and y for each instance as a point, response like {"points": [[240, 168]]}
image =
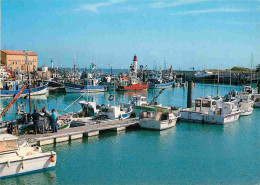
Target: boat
{"points": [[114, 112], [19, 158], [139, 104], [256, 98], [246, 104], [228, 113], [12, 88], [204, 74], [159, 84], [157, 120], [201, 107], [78, 88], [243, 100], [133, 87]]}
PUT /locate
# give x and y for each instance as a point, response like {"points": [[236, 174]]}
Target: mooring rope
{"points": [[73, 102]]}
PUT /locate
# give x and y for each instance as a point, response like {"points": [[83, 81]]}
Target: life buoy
{"points": [[111, 97], [19, 106]]}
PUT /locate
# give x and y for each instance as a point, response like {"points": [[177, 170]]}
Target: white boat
{"points": [[228, 113], [89, 109], [201, 107], [157, 120], [248, 90], [18, 158], [256, 98], [246, 104], [203, 74], [116, 112]]}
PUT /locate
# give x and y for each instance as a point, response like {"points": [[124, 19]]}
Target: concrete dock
{"points": [[90, 129]]}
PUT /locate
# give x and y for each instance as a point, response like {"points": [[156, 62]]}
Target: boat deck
{"points": [[91, 128]]}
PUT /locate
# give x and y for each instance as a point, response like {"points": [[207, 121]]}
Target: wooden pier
{"points": [[90, 129]]}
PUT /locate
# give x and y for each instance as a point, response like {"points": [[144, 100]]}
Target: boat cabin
{"points": [[91, 82], [245, 98], [204, 104], [157, 116], [89, 109], [247, 90], [231, 96], [125, 107], [112, 112], [138, 100], [11, 85], [8, 143], [228, 107]]}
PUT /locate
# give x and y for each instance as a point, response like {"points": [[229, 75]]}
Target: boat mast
{"points": [[74, 70], [218, 84], [251, 70], [230, 86], [114, 90], [28, 73]]}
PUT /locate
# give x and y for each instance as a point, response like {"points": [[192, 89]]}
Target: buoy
{"points": [[111, 97], [52, 159]]}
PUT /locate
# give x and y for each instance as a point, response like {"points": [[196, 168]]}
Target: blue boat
{"points": [[78, 88], [11, 88], [160, 85]]}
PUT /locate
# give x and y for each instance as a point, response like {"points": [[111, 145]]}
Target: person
{"points": [[36, 121], [47, 114], [54, 118]]}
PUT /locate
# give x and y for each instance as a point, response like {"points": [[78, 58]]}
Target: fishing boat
{"points": [[78, 88], [115, 112], [243, 100], [12, 88], [256, 98], [245, 103], [201, 107], [133, 87], [160, 84], [228, 113], [157, 120], [18, 157]]}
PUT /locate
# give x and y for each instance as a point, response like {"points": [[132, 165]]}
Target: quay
{"points": [[91, 129]]}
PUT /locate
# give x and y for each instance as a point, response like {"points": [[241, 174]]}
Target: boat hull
{"points": [[156, 125], [192, 116], [29, 164], [33, 92], [246, 112], [160, 86], [219, 119], [77, 88], [134, 87], [257, 104]]}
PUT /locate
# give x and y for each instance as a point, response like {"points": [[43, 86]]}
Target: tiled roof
{"points": [[13, 52]]}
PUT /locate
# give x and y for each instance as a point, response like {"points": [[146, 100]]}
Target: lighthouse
{"points": [[135, 64]]}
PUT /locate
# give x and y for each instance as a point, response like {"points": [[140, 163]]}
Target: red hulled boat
{"points": [[133, 87]]}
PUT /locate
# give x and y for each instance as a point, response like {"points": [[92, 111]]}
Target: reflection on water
{"points": [[39, 178], [190, 153]]}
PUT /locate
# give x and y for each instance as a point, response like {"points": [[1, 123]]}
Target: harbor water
{"points": [[189, 153]]}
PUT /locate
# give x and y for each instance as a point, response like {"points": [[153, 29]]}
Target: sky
{"points": [[203, 34]]}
